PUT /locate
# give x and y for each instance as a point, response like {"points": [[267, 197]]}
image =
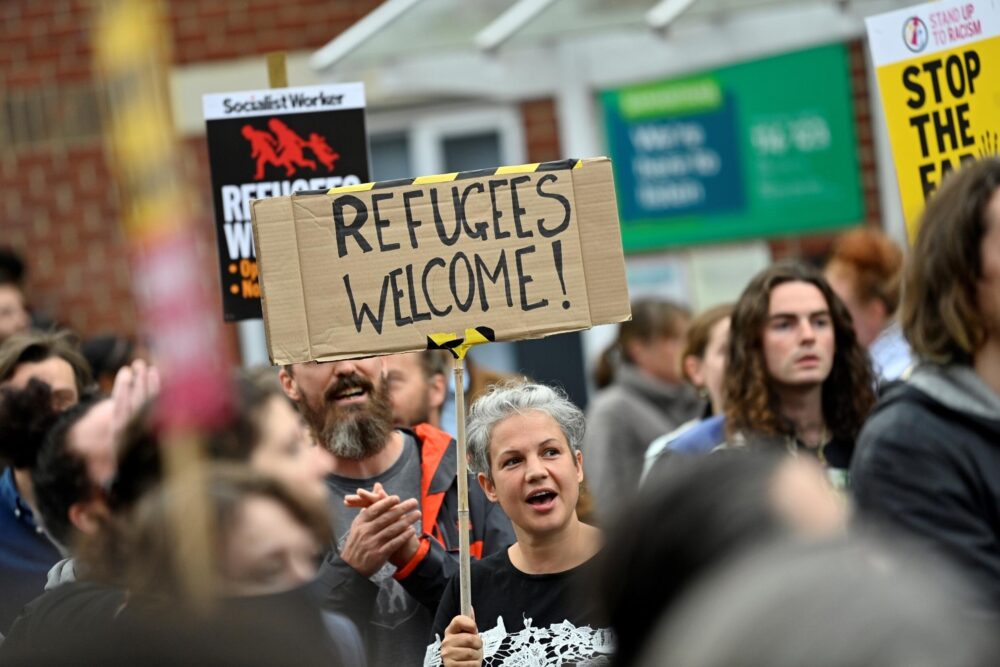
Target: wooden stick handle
{"points": [[465, 584], [277, 71]]}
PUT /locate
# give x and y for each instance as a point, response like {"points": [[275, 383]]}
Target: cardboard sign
{"points": [[938, 67], [379, 268], [267, 143]]}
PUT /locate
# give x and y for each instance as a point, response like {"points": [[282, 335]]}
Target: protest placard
{"points": [[938, 68], [519, 252], [267, 143]]}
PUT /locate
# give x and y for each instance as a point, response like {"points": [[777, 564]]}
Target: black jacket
{"points": [[425, 577], [928, 460]]}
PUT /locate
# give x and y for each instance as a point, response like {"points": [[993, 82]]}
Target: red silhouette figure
{"points": [[290, 147], [263, 148], [322, 150]]}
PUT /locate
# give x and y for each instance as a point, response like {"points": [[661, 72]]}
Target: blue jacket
{"points": [[26, 554], [701, 438]]}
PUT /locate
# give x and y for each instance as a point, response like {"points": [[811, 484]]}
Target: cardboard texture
{"points": [[526, 251]]}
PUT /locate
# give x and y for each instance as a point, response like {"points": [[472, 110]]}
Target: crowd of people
{"points": [[810, 474]]}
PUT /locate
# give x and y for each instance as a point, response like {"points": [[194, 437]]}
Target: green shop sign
{"points": [[762, 148]]}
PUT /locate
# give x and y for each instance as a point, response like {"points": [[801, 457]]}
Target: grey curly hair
{"points": [[517, 397]]}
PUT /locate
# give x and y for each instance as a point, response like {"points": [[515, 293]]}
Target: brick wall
{"points": [[59, 205], [217, 30], [541, 130]]}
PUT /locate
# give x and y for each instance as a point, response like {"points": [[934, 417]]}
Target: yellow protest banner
{"points": [[938, 70]]}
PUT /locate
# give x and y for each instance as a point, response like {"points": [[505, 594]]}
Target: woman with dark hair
{"points": [[696, 514], [643, 396]]}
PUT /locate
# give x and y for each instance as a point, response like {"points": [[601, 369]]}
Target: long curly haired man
{"points": [[797, 375]]}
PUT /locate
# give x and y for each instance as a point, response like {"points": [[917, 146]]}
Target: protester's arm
{"points": [[377, 532], [425, 574], [134, 386], [423, 566], [343, 590]]}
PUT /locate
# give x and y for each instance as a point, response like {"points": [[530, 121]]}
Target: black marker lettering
{"points": [[549, 233], [480, 229], [469, 281], [518, 211], [380, 222], [396, 295], [411, 222], [439, 223], [501, 266], [342, 231], [497, 212], [366, 311], [523, 279], [411, 289], [437, 261]]}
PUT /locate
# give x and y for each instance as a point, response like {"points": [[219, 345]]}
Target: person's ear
{"points": [[635, 351], [877, 312], [437, 390], [487, 486], [86, 515], [289, 385], [691, 369], [579, 466]]}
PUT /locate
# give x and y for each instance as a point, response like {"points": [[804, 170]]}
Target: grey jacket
{"points": [[928, 461], [621, 422]]}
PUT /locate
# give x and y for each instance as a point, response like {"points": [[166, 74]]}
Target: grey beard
{"points": [[357, 437]]}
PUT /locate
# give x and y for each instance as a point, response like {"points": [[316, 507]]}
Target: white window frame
{"points": [[426, 130]]}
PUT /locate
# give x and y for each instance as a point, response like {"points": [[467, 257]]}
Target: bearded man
{"points": [[396, 507]]}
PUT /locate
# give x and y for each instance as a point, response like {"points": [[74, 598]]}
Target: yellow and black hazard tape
{"points": [[453, 176], [457, 345]]}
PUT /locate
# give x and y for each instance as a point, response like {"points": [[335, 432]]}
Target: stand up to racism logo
{"points": [[274, 143], [915, 34]]}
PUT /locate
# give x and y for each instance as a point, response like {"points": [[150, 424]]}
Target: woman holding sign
{"points": [[524, 443]]}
